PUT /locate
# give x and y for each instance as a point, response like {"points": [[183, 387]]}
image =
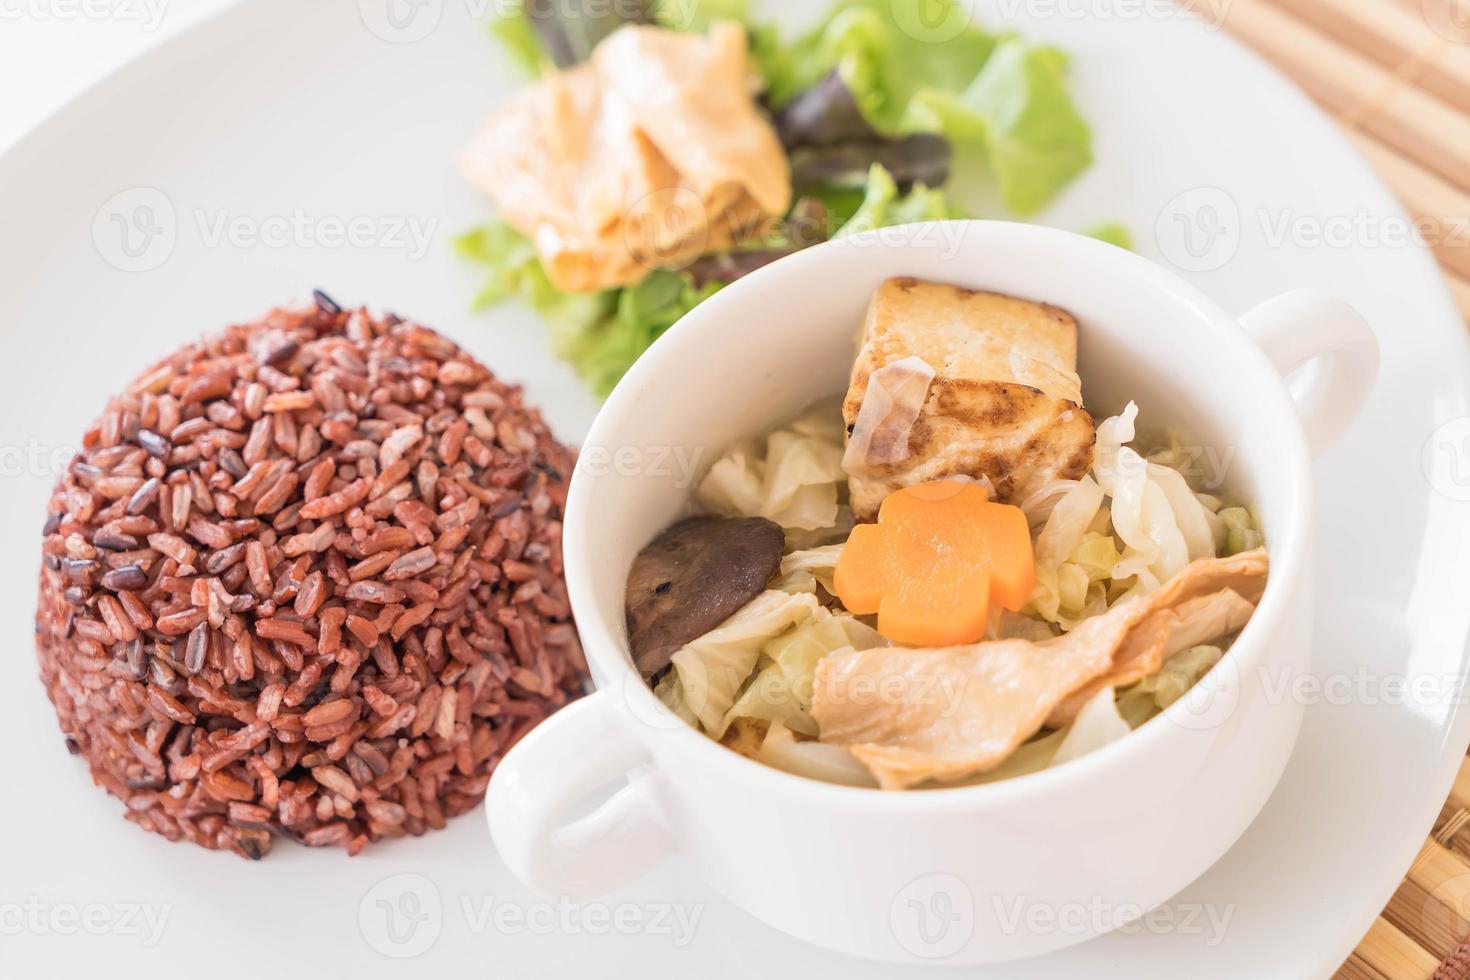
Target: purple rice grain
{"points": [[274, 593]]}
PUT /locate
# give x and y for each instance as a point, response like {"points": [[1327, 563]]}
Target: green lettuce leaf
{"points": [[1019, 113], [514, 271], [922, 67], [1112, 232], [600, 334], [644, 311], [886, 53], [572, 31], [697, 15], [882, 205], [515, 31]]}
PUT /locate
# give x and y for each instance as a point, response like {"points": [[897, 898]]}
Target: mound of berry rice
{"points": [[305, 578]]}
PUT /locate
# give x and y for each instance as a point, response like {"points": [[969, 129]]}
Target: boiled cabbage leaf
{"points": [[713, 667], [782, 690], [803, 571], [814, 760], [1097, 723], [791, 476]]}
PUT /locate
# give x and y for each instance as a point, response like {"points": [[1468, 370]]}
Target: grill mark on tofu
{"points": [[1006, 406]]}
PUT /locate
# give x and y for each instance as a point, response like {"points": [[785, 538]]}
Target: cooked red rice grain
{"points": [[292, 586]]}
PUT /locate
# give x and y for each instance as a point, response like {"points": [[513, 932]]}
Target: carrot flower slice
{"points": [[939, 555], [859, 576]]}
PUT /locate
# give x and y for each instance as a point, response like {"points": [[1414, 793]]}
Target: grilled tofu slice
{"points": [[1005, 403]]}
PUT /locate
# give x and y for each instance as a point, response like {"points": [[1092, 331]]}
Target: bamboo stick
{"points": [[1460, 791], [1393, 954], [1442, 208], [1356, 969], [1426, 920], [1360, 91], [1461, 847], [1395, 47], [1451, 820], [1460, 289], [1399, 38], [1450, 18], [1443, 874]]}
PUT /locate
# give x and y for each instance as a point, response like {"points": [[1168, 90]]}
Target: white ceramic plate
{"points": [[215, 177]]}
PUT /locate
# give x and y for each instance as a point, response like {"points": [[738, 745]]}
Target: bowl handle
{"points": [[1305, 325], [577, 751]]}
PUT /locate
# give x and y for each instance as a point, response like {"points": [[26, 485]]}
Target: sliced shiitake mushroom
{"points": [[691, 578]]}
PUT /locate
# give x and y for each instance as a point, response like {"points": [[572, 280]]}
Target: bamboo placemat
{"points": [[1396, 75]]}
